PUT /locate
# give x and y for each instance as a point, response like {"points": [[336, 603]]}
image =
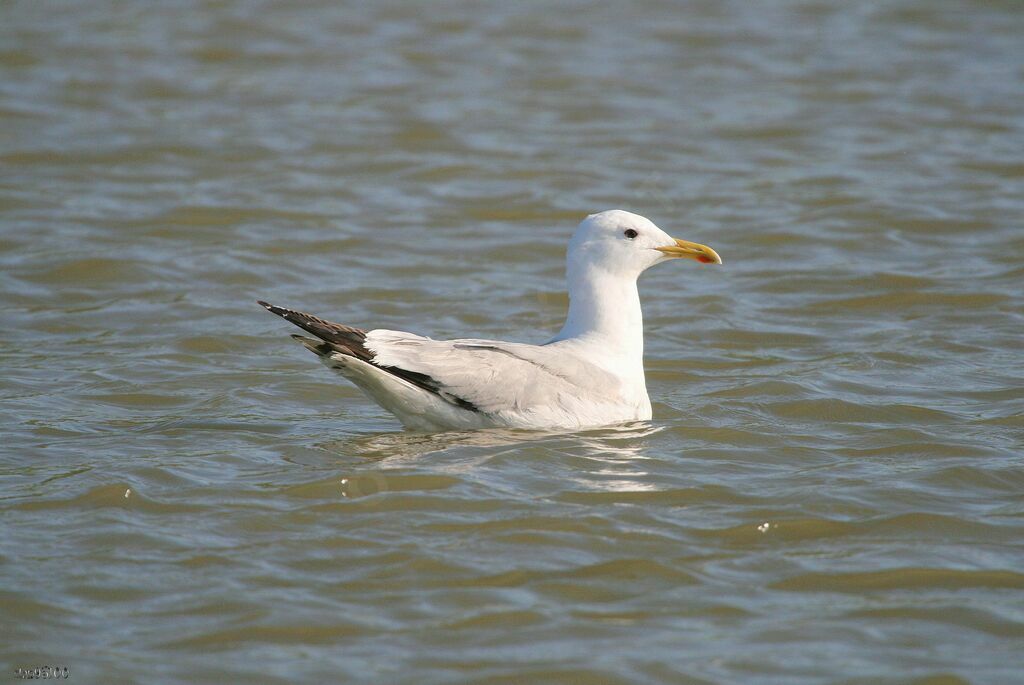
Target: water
{"points": [[830, 492]]}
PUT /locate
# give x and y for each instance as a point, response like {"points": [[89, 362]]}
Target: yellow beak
{"points": [[684, 248]]}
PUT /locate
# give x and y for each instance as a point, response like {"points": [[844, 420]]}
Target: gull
{"points": [[591, 374]]}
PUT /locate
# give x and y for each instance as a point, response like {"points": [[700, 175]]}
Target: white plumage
{"points": [[590, 374]]}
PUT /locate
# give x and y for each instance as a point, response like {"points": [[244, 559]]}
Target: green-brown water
{"points": [[832, 490]]}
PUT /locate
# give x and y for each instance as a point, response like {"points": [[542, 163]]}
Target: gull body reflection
{"points": [[607, 459]]}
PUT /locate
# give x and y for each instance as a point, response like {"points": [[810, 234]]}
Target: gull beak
{"points": [[684, 248]]}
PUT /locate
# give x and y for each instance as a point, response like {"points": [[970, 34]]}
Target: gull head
{"points": [[626, 244]]}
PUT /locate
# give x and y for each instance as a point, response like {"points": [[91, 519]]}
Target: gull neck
{"points": [[604, 309]]}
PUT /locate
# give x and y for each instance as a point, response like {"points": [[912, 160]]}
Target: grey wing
{"points": [[499, 378]]}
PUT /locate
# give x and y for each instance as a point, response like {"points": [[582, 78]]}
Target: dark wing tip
{"points": [[345, 339], [324, 349], [283, 312]]}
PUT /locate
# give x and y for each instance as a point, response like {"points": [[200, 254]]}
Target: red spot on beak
{"points": [[704, 259]]}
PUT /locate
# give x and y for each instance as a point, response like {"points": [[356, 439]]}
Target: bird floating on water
{"points": [[590, 374]]}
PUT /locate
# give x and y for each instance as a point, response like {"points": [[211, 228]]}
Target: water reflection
{"points": [[403, 446], [610, 459]]}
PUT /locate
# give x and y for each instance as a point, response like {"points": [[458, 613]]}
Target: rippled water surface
{"points": [[832, 489]]}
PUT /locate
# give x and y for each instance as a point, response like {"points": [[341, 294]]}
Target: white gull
{"points": [[590, 374]]}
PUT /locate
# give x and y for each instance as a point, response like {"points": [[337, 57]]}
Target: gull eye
{"points": [[630, 233]]}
